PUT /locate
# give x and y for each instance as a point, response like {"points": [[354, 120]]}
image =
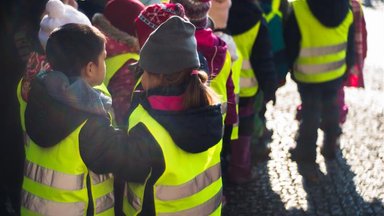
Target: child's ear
{"points": [[89, 71]]}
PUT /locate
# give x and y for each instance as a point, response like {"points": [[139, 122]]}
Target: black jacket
{"points": [[243, 15], [330, 13]]}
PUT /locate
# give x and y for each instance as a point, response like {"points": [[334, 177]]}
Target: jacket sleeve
{"points": [[231, 117], [105, 149], [292, 39], [350, 55], [262, 62]]}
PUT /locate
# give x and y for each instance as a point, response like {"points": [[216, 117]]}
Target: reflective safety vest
{"points": [[274, 18], [322, 55], [113, 64], [219, 83], [236, 70], [190, 184], [56, 181], [244, 42], [22, 104]]}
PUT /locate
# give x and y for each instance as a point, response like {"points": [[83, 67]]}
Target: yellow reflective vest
{"points": [[191, 182], [219, 83], [244, 42], [322, 55], [236, 70], [56, 181]]}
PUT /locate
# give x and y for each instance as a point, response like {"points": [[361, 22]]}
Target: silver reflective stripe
{"points": [[236, 124], [246, 65], [237, 98], [48, 207], [165, 192], [53, 178], [204, 209], [133, 199], [248, 82], [224, 107], [318, 51], [319, 68], [97, 179], [105, 202]]}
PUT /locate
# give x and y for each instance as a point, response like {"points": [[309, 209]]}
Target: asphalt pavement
{"points": [[350, 185]]}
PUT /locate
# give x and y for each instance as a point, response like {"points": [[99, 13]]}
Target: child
{"points": [[122, 50], [249, 30], [319, 39], [71, 146], [57, 14], [181, 122]]}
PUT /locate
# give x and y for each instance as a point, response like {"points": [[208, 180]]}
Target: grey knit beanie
{"points": [[170, 48]]}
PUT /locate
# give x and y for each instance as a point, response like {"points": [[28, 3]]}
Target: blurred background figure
{"points": [[122, 50], [320, 46], [250, 33]]}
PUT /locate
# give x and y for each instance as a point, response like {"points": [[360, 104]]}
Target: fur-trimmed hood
{"points": [[102, 23]]}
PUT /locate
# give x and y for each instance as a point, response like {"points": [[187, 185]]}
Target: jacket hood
{"points": [[243, 15], [193, 130], [56, 108], [114, 35], [329, 12], [213, 49]]}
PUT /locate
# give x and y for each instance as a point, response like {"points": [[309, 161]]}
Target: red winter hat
{"points": [[196, 11], [122, 13], [154, 15]]}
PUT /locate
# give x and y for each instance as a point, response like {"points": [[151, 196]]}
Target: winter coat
{"points": [[215, 50]]}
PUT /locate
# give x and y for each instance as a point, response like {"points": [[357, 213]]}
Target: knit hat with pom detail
{"points": [[171, 48], [153, 16], [59, 14], [122, 14], [196, 11]]}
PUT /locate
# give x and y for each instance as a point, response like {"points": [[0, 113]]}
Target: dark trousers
{"points": [[319, 106]]}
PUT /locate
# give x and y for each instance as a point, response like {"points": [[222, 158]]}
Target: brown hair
{"points": [[197, 93], [72, 46]]}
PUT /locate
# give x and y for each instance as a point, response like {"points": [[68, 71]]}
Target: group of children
{"points": [[149, 109]]}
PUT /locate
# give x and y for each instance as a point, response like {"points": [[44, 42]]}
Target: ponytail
{"points": [[197, 93]]}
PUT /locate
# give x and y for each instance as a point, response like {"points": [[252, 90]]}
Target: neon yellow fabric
{"points": [[244, 42], [236, 70], [22, 104], [62, 159], [323, 49], [274, 11], [219, 83], [113, 64], [180, 168], [103, 89]]}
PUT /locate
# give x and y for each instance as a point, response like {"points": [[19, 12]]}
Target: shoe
{"points": [[310, 171]]}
